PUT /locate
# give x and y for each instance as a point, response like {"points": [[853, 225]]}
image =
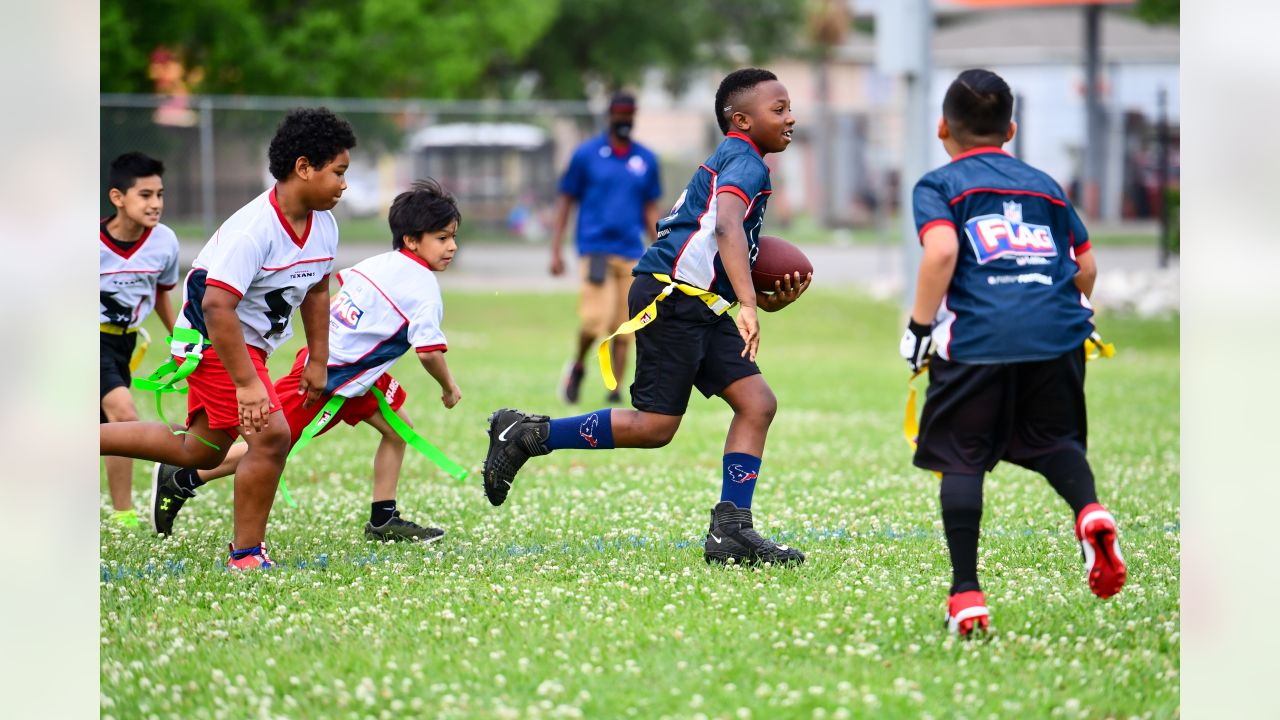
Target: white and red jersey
{"points": [[388, 304], [129, 274], [257, 256]]}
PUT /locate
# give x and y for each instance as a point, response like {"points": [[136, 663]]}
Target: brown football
{"points": [[775, 260]]}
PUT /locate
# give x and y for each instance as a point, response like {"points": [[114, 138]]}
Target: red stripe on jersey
{"points": [[405, 251], [432, 348], [1001, 191], [735, 191], [299, 241], [210, 282], [384, 295], [981, 151], [1083, 247], [110, 242], [165, 288], [300, 262], [740, 136], [934, 223], [754, 199]]}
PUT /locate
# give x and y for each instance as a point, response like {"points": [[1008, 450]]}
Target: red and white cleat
{"points": [[1096, 531], [967, 613], [257, 560]]}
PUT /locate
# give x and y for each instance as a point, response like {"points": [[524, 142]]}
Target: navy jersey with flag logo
{"points": [[686, 248], [1013, 296]]}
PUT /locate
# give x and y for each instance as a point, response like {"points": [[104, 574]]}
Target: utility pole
{"points": [[1091, 178]]}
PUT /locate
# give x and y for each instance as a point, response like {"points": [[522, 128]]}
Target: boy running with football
{"points": [[699, 267], [1006, 305]]}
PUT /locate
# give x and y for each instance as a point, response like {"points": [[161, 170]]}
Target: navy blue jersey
{"points": [[612, 190], [686, 248], [1013, 296]]}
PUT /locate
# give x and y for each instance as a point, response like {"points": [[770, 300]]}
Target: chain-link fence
{"points": [[502, 159]]}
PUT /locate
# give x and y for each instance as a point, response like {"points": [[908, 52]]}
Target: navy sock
{"points": [[740, 473], [593, 431], [188, 479], [239, 554], [382, 512]]}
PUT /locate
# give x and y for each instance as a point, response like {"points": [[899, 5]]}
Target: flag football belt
{"points": [[406, 433], [1094, 347], [110, 329], [159, 384], [717, 304]]}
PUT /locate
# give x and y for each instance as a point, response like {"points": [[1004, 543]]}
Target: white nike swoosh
{"points": [[502, 436], [713, 537]]}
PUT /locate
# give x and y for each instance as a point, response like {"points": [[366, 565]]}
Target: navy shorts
{"points": [[114, 352], [687, 346], [977, 415]]}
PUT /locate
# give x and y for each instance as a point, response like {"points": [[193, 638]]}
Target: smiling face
{"points": [[325, 184], [142, 203], [766, 117], [435, 247]]}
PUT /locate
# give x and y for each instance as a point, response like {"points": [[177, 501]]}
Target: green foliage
{"points": [[586, 595], [433, 48], [1163, 12]]}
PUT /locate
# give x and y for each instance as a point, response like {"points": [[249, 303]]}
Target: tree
{"points": [[1158, 11]]}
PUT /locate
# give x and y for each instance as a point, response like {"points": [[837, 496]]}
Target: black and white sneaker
{"points": [[397, 529], [733, 539], [166, 497], [514, 437]]}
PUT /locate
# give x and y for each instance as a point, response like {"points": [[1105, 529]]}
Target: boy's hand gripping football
{"points": [[785, 292], [916, 344]]}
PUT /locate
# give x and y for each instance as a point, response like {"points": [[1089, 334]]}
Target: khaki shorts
{"points": [[603, 307]]}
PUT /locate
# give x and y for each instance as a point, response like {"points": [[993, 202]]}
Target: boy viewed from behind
{"points": [[389, 304], [271, 257], [1003, 295], [137, 267]]}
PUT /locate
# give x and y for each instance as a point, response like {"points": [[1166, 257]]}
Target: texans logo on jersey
{"points": [[344, 310], [997, 236]]}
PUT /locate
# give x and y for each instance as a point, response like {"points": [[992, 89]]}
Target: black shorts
{"points": [[977, 415], [114, 352], [687, 346]]}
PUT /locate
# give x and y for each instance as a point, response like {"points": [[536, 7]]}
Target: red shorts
{"points": [[210, 389], [353, 411]]}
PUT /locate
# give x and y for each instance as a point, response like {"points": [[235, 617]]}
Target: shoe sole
{"points": [[484, 468], [1107, 571], [155, 497], [723, 558], [969, 621], [401, 538]]}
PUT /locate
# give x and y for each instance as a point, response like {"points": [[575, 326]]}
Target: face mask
{"points": [[621, 129]]}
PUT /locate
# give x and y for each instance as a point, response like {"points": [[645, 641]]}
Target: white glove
{"points": [[917, 343]]}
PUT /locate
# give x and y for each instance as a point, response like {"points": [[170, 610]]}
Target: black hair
{"points": [[425, 207], [313, 133], [978, 106], [622, 98], [732, 88], [126, 169]]}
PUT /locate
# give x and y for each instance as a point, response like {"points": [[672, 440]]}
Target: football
{"points": [[776, 258]]}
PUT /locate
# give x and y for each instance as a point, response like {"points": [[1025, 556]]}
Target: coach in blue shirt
{"points": [[616, 185]]}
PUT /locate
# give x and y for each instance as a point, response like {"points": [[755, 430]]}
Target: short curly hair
{"points": [[732, 88], [313, 133], [425, 207]]}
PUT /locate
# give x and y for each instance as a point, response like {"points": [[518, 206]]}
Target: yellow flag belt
{"points": [[717, 304]]}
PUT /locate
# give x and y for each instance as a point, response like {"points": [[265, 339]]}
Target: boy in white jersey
{"points": [[271, 257], [137, 267], [388, 304]]}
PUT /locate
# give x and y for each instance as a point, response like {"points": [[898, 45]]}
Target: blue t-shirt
{"points": [[686, 248], [1013, 296], [611, 191]]}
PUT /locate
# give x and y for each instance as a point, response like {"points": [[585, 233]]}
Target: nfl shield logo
{"points": [[1013, 211]]}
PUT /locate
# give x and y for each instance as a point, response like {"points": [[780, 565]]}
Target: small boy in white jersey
{"points": [[137, 267], [388, 305], [273, 256]]}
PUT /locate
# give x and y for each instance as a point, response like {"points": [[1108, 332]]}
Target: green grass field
{"points": [[586, 595]]}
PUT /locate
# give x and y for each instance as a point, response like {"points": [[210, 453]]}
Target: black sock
{"points": [[1069, 473], [188, 479], [382, 512], [961, 497]]}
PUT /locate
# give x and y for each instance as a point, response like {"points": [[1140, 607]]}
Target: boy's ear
{"points": [[944, 130], [116, 197], [303, 167], [1013, 130], [740, 121]]}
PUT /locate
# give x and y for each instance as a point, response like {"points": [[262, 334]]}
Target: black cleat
{"points": [[514, 437], [571, 383], [397, 529], [733, 539], [613, 398], [166, 497]]}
